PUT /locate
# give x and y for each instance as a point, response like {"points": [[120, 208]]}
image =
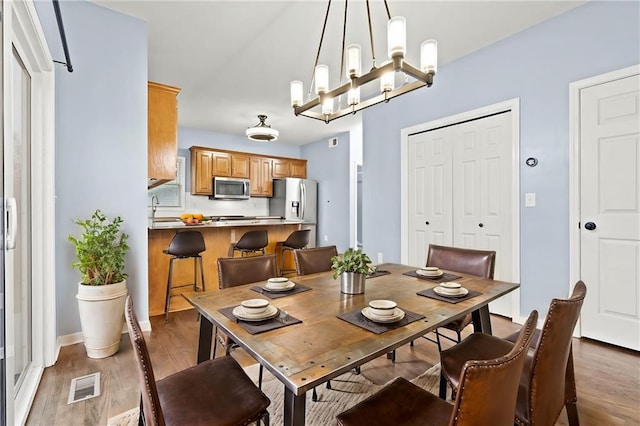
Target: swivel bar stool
{"points": [[297, 240], [184, 245], [251, 241]]}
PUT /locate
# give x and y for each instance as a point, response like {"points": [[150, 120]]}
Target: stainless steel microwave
{"points": [[230, 188]]}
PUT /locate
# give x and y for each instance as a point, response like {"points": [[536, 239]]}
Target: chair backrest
{"points": [[244, 270], [474, 262], [489, 389], [253, 240], [150, 401], [298, 239], [314, 260], [549, 361], [186, 244]]}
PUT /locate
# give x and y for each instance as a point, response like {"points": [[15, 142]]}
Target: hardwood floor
{"points": [[608, 378]]}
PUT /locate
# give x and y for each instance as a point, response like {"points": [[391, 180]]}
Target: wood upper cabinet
{"points": [[162, 132], [261, 180], [221, 164], [240, 166], [281, 168], [298, 169], [201, 172]]}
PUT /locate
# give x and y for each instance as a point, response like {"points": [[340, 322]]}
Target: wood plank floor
{"points": [[608, 378]]}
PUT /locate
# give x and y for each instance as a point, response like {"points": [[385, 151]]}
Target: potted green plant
{"points": [[352, 267], [101, 252]]}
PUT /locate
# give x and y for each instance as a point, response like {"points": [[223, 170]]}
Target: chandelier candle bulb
{"points": [[353, 97], [397, 36], [429, 56], [297, 93], [327, 106], [387, 82], [353, 60], [322, 79]]}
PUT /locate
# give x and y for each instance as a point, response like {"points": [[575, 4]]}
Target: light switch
{"points": [[530, 199]]}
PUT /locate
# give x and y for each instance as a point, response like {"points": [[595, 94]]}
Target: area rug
{"points": [[346, 391]]}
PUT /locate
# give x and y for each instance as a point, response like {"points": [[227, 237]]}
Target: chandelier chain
{"points": [[324, 27], [344, 36]]}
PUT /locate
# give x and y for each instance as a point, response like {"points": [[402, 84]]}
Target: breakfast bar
{"points": [[218, 235]]}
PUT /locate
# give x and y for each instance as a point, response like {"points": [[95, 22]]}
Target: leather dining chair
{"points": [[487, 396], [547, 383], [233, 272], [467, 261], [216, 391], [314, 260]]}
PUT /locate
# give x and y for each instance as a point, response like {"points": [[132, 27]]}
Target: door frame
{"points": [[21, 27], [512, 105], [574, 167]]}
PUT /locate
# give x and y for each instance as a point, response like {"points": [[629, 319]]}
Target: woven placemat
{"points": [[299, 288], [377, 273], [356, 318], [433, 295], [255, 327], [442, 279]]}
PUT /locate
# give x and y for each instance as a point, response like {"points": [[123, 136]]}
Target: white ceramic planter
{"points": [[102, 317]]}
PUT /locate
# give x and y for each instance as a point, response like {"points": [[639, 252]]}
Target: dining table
{"points": [[321, 333]]}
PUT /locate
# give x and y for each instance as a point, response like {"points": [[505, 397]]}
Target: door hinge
{"points": [[578, 225]]}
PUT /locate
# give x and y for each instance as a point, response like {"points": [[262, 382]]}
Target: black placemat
{"points": [[433, 295], [356, 318], [377, 273], [255, 327], [442, 279], [299, 288]]}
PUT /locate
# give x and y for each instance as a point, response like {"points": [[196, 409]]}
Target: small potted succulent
{"points": [[100, 257], [352, 267]]}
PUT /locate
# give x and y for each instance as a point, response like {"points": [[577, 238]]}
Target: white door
{"points": [[429, 205], [610, 211], [460, 193]]}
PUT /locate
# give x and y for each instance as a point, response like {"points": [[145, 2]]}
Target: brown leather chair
{"points": [[217, 391], [314, 260], [250, 242], [487, 397], [467, 261], [297, 240], [238, 271], [547, 383], [184, 245]]}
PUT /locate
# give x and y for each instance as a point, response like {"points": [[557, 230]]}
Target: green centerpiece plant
{"points": [[101, 251], [352, 266]]}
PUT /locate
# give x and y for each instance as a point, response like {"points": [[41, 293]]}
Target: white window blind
{"points": [[170, 194]]}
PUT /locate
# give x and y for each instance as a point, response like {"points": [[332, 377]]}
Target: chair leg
{"points": [[141, 414], [570, 394], [264, 418], [204, 288], [357, 370], [215, 341], [314, 395], [328, 385], [260, 377], [443, 387], [169, 284], [438, 341], [411, 343]]}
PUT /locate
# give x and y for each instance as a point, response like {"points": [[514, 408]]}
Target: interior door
{"points": [[429, 187], [610, 211]]}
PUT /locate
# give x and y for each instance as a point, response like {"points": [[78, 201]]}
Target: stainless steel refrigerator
{"points": [[296, 199]]}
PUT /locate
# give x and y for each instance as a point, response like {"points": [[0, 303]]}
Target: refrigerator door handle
{"points": [[303, 200]]}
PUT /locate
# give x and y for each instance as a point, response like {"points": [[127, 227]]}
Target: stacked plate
{"points": [[255, 310], [385, 311], [451, 289], [430, 271], [279, 284]]}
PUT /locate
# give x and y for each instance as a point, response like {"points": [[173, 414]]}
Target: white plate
{"points": [[279, 288], [398, 314], [278, 280], [429, 274], [240, 313], [463, 292]]}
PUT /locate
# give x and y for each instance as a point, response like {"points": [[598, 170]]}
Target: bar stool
{"points": [[250, 242], [297, 240], [184, 245]]}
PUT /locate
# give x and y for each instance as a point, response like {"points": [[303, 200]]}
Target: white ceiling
{"points": [[235, 59]]}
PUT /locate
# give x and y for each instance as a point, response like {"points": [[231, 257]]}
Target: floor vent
{"points": [[84, 387]]}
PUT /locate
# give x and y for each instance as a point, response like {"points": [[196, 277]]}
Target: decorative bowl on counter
{"points": [[192, 218]]}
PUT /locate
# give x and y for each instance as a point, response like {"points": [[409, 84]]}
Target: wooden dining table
{"points": [[323, 346]]}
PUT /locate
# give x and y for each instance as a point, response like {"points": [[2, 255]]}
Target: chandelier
{"points": [[262, 132], [328, 103]]}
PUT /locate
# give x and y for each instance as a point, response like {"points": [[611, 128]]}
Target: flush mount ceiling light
{"points": [[262, 132], [325, 101]]}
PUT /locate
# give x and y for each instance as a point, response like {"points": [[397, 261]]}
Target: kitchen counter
{"points": [[218, 235]]}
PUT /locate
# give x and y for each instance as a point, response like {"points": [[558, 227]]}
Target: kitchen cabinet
{"points": [[298, 169], [201, 172], [240, 167], [221, 164], [162, 147], [261, 179], [281, 168]]}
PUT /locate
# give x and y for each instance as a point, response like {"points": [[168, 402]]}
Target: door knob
{"points": [[481, 225], [426, 223], [590, 226]]}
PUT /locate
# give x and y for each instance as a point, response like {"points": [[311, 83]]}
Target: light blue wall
{"points": [[101, 140], [537, 66], [188, 137], [330, 167]]}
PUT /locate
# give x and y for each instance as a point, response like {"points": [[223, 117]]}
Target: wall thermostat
{"points": [[532, 162]]}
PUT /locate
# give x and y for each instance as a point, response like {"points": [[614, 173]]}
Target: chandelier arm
{"points": [[324, 27], [373, 53], [386, 6], [344, 36]]}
